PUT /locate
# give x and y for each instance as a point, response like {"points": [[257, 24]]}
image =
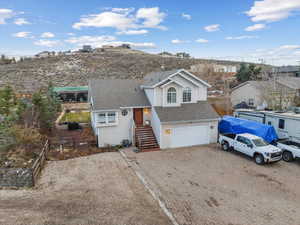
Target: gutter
{"points": [[190, 121]]}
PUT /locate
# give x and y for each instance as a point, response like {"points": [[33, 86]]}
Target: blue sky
{"points": [[233, 29]]}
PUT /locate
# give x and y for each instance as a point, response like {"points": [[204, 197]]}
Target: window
{"points": [[251, 102], [102, 118], [241, 139], [187, 95], [281, 124], [171, 95], [106, 118]]}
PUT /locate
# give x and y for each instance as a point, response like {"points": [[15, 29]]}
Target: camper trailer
{"points": [[286, 124]]}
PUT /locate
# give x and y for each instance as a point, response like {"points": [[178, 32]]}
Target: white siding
{"points": [[244, 94], [113, 135], [156, 125], [150, 95]]}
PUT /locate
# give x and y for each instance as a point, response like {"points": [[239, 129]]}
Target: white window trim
{"points": [[107, 124], [183, 95], [176, 99]]}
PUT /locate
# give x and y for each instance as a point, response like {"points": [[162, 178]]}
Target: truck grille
{"points": [[276, 154]]}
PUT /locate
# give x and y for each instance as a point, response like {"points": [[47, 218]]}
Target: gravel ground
{"points": [[98, 189], [207, 186]]}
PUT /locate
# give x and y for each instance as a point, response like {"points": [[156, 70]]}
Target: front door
{"points": [[138, 116]]}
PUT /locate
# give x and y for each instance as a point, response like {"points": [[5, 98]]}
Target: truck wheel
{"points": [[287, 156], [259, 159], [225, 146]]}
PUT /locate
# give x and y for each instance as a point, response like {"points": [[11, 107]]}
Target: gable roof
{"points": [[191, 112], [117, 93], [155, 78], [254, 83]]}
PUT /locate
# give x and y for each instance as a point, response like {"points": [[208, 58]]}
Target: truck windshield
{"points": [[259, 142]]}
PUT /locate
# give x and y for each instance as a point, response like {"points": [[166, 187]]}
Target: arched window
{"points": [[187, 94], [171, 95]]}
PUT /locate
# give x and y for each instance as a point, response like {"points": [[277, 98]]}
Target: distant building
{"points": [[86, 48], [217, 68], [292, 71], [44, 54]]}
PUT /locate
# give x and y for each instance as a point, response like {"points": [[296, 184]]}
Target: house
{"points": [[86, 48], [277, 94], [44, 54], [166, 109], [283, 71], [217, 68]]}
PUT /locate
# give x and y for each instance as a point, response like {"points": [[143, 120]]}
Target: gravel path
{"points": [[98, 189], [206, 186]]}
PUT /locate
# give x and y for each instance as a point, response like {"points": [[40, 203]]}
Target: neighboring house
{"points": [[217, 68], [44, 54], [165, 110], [276, 94], [292, 71]]}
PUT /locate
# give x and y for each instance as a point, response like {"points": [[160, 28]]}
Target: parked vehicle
{"points": [[251, 145], [290, 150], [286, 124]]}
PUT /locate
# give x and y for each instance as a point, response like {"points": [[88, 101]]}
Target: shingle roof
{"points": [[155, 77], [191, 112], [291, 82], [113, 94], [256, 84]]}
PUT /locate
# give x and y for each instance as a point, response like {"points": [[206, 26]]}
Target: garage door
{"points": [[189, 136]]}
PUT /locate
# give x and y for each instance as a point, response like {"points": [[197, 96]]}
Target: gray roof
{"points": [[287, 69], [113, 94], [256, 84], [155, 77], [191, 112], [291, 82]]}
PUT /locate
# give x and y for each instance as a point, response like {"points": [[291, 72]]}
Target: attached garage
{"points": [[189, 136]]}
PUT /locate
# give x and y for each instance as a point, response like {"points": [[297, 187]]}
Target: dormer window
{"points": [[187, 94], [171, 95]]}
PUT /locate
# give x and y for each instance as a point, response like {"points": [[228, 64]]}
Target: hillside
{"points": [[72, 70]]}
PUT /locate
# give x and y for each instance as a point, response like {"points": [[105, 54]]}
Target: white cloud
{"points": [[47, 43], [21, 21], [201, 40], [255, 27], [99, 41], [186, 16], [132, 32], [123, 19], [212, 28], [5, 14], [152, 17], [177, 41], [70, 34], [23, 34], [272, 10], [241, 37], [290, 47], [47, 35]]}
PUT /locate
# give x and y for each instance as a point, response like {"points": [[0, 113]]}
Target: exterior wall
{"points": [[150, 95], [166, 138], [156, 125], [244, 94], [160, 94], [113, 135]]}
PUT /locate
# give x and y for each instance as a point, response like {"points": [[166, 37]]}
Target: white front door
{"points": [[189, 136]]}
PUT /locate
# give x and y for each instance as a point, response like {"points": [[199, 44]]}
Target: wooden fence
{"points": [[40, 161]]}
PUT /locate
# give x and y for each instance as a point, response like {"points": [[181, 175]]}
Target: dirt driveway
{"points": [[206, 186], [98, 189]]}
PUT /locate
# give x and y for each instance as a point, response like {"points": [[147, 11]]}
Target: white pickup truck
{"points": [[251, 145], [290, 150]]}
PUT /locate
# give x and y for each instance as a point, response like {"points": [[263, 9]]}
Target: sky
{"points": [[261, 31]]}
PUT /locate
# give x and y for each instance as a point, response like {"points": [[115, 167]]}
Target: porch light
{"points": [[146, 111]]}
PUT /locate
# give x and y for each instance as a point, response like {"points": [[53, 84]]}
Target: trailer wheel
{"points": [[225, 146], [259, 159], [287, 156]]}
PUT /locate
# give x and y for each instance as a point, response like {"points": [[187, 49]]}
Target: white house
{"points": [[167, 109]]}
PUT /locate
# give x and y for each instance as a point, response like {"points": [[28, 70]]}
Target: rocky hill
{"points": [[71, 70]]}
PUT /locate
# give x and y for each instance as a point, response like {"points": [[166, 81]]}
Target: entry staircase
{"points": [[145, 139]]}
